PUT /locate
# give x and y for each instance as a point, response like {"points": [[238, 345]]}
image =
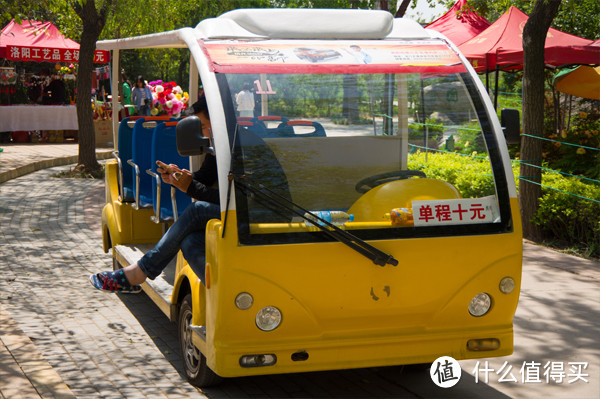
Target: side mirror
{"points": [[511, 125], [190, 140]]}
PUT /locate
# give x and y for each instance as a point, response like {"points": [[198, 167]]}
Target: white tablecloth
{"points": [[38, 117]]}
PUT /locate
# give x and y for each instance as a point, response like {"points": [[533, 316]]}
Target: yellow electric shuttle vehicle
{"points": [[369, 215]]}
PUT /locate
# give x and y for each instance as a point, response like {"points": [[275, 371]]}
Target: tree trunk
{"points": [[402, 9], [85, 117], [534, 37], [350, 109], [93, 23]]}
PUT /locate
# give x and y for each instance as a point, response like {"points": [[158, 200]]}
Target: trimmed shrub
{"points": [[565, 214], [471, 176]]}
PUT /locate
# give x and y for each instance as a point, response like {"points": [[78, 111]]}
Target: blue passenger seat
{"points": [[277, 131], [302, 129], [141, 159], [262, 126], [122, 155], [166, 198]]}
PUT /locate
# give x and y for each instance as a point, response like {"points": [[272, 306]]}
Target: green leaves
{"points": [[568, 212]]}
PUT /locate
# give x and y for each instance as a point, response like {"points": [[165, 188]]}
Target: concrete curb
{"points": [[46, 163], [23, 370]]}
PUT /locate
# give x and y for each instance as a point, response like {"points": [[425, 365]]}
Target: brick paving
{"points": [[93, 340], [61, 339]]}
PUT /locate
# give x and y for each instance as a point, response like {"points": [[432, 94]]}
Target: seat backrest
{"points": [[125, 147], [269, 126], [279, 130], [164, 148], [302, 129], [141, 153]]}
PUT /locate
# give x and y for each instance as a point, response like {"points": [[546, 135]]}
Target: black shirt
{"points": [[200, 187]]}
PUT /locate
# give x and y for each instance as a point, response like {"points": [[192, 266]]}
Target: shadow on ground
{"points": [[377, 382]]}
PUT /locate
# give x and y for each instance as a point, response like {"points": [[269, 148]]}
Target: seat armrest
{"points": [[136, 169], [115, 154], [174, 203], [156, 218]]}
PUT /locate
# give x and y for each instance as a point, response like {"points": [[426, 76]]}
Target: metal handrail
{"points": [[156, 218], [120, 166], [136, 168]]}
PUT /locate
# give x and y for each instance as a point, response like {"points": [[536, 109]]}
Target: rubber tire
{"points": [[194, 363]]}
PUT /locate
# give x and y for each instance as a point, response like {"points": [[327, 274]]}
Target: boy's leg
{"points": [[193, 248], [193, 219]]}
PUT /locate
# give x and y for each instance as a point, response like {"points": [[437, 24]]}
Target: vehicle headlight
{"points": [[507, 285], [480, 304], [268, 318], [244, 301]]}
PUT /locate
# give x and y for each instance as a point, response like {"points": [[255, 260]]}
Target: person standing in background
{"points": [[126, 87], [245, 101], [142, 97]]}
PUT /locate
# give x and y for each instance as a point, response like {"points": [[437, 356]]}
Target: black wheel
{"points": [[194, 362], [370, 182]]}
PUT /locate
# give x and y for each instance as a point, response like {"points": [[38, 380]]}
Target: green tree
{"points": [[93, 20]]}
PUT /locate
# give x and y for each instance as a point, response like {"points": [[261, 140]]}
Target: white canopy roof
{"points": [[281, 23]]}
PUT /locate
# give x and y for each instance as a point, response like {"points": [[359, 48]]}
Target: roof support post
{"points": [[116, 69]]}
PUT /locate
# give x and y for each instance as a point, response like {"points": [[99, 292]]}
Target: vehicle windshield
{"points": [[401, 154]]}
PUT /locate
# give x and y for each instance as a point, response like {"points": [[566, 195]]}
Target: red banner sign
{"points": [[41, 54], [333, 56]]}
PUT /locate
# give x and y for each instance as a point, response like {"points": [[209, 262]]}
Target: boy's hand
{"points": [[168, 172], [183, 180]]}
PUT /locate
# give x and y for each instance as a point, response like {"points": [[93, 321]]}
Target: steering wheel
{"points": [[370, 182]]}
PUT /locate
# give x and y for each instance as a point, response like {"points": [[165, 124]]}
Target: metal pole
{"points": [[114, 88], [496, 88]]}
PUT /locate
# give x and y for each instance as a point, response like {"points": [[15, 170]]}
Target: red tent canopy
{"points": [[42, 42], [502, 44], [459, 26]]}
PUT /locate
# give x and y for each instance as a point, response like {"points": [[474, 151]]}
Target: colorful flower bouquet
{"points": [[66, 70], [8, 76], [168, 98]]}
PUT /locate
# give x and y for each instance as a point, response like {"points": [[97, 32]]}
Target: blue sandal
{"points": [[114, 282]]}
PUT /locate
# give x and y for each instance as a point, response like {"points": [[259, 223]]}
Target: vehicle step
{"points": [[161, 288]]}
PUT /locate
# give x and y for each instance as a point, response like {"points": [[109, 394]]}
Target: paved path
{"points": [[20, 159], [59, 338]]}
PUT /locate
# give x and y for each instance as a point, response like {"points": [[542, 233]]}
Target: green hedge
{"points": [[567, 216], [472, 176], [564, 214]]}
